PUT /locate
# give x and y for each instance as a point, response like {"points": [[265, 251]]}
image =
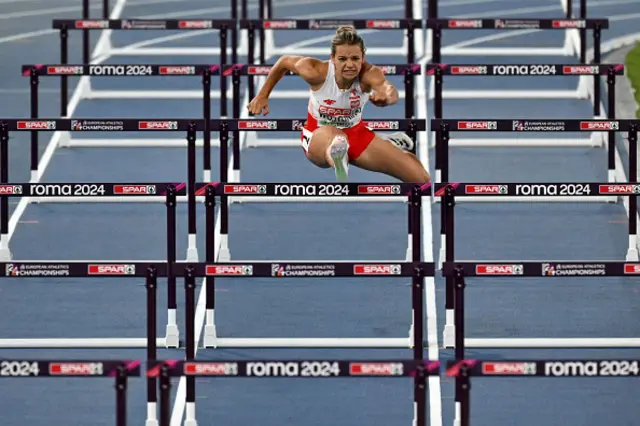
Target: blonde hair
{"points": [[346, 35]]}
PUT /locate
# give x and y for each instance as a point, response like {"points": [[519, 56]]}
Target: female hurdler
{"points": [[334, 134]]}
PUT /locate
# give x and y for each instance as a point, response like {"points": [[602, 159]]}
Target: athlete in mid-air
{"points": [[334, 134]]}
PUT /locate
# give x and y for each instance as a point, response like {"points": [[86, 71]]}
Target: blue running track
{"points": [[30, 308]]}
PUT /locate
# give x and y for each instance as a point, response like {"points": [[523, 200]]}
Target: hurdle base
{"points": [[172, 339], [78, 343], [449, 336], [151, 423], [552, 343], [5, 254], [210, 339], [632, 255], [312, 342]]}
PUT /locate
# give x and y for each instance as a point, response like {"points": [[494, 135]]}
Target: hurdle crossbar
{"points": [[464, 369], [438, 71], [450, 191], [119, 370]]}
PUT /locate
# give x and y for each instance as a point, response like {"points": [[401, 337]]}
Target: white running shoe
{"points": [[338, 151], [401, 140]]}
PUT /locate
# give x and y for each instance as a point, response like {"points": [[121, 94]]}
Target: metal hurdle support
{"points": [[313, 368], [117, 370], [462, 369], [416, 269], [438, 71], [574, 42], [34, 72], [298, 193], [449, 192], [221, 26]]}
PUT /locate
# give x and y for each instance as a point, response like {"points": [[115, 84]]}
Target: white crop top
{"points": [[337, 107]]}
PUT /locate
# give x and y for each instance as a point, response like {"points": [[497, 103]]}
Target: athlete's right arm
{"points": [[305, 67]]}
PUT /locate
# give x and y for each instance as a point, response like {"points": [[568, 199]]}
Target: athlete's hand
{"points": [[258, 104], [382, 98]]}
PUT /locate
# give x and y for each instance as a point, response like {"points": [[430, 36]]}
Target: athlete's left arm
{"points": [[385, 92]]}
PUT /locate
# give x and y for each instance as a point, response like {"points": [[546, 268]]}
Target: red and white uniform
{"points": [[340, 108]]}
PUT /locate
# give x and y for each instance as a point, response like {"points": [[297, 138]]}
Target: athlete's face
{"points": [[348, 61]]}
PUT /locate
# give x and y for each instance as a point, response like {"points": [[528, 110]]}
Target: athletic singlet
{"points": [[332, 106]]}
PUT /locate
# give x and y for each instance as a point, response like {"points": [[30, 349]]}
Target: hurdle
{"points": [[109, 50], [279, 269], [191, 127], [567, 6], [34, 72], [315, 368], [547, 70], [450, 191], [121, 370], [410, 25], [66, 25], [611, 126], [575, 33], [93, 269], [464, 369], [597, 25], [267, 47], [299, 193], [285, 269], [456, 272], [100, 269]]}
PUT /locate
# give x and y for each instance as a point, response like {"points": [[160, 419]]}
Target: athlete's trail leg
{"points": [[383, 157]]}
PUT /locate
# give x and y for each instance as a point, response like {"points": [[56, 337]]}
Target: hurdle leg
{"points": [[5, 252], [210, 337]]}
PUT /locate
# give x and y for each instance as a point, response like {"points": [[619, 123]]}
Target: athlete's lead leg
{"points": [[328, 148]]}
